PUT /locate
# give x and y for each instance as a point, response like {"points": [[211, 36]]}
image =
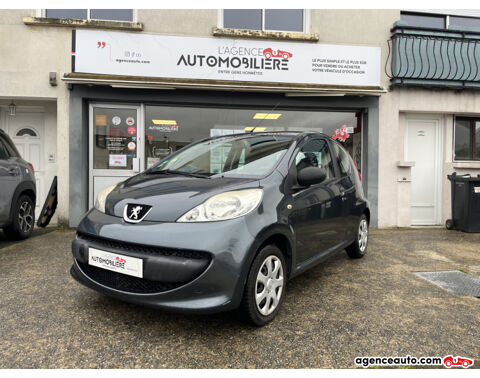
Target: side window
{"points": [[315, 154], [3, 151], [343, 160], [9, 147]]}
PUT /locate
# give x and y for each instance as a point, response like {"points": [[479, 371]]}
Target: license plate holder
{"points": [[131, 266]]}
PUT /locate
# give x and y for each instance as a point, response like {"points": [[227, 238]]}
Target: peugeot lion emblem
{"points": [[134, 213]]}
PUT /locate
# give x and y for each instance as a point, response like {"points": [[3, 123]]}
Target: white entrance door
{"points": [[115, 149], [27, 131], [423, 147]]}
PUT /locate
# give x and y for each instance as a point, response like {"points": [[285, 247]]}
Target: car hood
{"points": [[170, 195]]}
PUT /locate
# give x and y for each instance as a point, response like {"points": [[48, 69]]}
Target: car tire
{"points": [[266, 281], [23, 219], [449, 224], [358, 248]]}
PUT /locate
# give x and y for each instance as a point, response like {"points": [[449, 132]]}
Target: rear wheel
{"points": [[265, 287], [358, 248], [23, 219]]}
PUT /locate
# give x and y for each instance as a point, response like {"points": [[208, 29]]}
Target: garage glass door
{"points": [[127, 139]]}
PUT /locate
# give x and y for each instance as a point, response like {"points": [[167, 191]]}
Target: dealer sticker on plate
{"points": [[115, 262]]}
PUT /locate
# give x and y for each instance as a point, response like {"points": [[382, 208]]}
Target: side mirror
{"points": [[311, 175]]}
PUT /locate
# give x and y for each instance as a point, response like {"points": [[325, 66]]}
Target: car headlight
{"points": [[102, 197], [225, 206]]}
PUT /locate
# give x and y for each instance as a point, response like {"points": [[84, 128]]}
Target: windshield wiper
{"points": [[174, 172]]}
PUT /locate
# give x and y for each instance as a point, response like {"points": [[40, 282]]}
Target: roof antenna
{"points": [[260, 121]]}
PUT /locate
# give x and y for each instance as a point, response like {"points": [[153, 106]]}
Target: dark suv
{"points": [[224, 223], [18, 192]]}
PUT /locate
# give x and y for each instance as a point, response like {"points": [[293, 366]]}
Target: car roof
{"points": [[294, 134]]}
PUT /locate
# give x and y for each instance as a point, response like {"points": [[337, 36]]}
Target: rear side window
{"points": [[343, 160], [9, 147], [3, 151], [315, 154]]}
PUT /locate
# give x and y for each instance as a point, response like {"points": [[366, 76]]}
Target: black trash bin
{"points": [[465, 203]]}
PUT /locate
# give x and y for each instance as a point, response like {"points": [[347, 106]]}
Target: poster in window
{"points": [[117, 160]]}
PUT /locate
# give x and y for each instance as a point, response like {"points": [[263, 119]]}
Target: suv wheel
{"points": [[23, 219], [265, 287], [359, 247]]}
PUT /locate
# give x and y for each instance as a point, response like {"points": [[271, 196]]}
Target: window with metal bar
{"points": [[424, 20], [265, 19], [91, 14]]}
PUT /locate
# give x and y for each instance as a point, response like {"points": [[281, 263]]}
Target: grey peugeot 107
{"points": [[223, 224]]}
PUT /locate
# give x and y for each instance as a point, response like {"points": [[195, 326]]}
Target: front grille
{"points": [[110, 244], [123, 282]]}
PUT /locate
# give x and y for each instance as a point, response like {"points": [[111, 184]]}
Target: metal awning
{"points": [[289, 89]]}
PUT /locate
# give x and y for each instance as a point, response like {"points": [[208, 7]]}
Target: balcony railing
{"points": [[434, 58]]}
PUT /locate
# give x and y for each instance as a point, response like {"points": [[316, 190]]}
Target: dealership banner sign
{"points": [[161, 56]]}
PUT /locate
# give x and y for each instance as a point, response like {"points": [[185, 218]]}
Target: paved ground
{"points": [[333, 313], [4, 242]]}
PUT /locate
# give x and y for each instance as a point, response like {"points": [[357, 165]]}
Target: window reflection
{"points": [[169, 128], [115, 138]]}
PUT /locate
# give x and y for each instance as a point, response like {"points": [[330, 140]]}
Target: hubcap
{"points": [[363, 235], [269, 285], [25, 217]]}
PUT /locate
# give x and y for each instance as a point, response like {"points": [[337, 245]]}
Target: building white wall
{"points": [[394, 196], [367, 27], [29, 53], [191, 22]]}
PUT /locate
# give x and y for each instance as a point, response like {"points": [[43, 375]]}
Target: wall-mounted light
{"points": [[12, 108]]}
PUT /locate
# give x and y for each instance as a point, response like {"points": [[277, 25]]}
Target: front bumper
{"points": [[188, 267]]}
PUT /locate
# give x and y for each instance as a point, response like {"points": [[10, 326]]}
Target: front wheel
{"points": [[23, 219], [358, 248], [265, 287]]}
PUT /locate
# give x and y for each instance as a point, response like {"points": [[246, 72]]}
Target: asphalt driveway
{"points": [[333, 313]]}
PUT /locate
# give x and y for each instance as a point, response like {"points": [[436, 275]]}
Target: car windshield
{"points": [[229, 155]]}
